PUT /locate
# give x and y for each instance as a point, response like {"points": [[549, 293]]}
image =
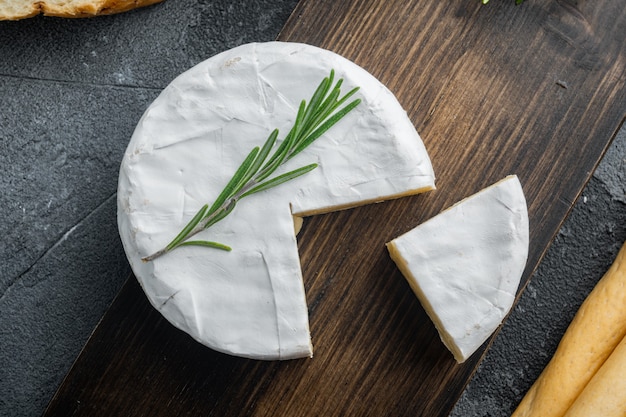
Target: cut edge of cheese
{"points": [[388, 197], [251, 302], [465, 264]]}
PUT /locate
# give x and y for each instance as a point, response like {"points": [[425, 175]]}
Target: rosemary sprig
{"points": [[254, 174]]}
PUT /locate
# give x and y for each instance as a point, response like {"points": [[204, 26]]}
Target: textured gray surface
{"points": [[71, 92]]}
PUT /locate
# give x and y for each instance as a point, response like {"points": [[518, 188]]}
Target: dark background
{"points": [[71, 92]]}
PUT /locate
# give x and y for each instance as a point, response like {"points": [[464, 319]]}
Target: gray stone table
{"points": [[71, 92]]}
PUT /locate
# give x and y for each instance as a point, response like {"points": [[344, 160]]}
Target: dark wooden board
{"points": [[537, 90]]}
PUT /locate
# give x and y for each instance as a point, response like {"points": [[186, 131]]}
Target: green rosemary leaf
{"points": [[283, 149], [267, 147], [332, 97], [231, 187], [208, 244], [261, 157], [220, 213], [298, 125], [317, 107], [318, 96], [290, 140], [322, 113], [280, 179], [346, 97], [329, 106], [325, 126], [188, 228]]}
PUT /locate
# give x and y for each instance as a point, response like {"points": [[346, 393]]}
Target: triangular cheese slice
{"points": [[465, 264], [251, 302]]}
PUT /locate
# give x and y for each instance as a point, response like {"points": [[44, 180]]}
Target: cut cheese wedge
{"points": [[465, 264], [251, 302]]}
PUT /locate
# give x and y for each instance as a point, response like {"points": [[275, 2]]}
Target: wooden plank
{"points": [[538, 90]]}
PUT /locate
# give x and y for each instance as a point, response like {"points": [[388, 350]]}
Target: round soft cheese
{"points": [[250, 302], [465, 264]]}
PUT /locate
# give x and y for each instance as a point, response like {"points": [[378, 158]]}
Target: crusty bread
{"points": [[605, 394], [20, 9], [597, 328]]}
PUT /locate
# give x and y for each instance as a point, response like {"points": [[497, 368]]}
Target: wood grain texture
{"points": [[537, 90]]}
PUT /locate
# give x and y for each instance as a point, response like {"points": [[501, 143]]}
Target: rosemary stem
{"points": [[155, 255], [255, 172], [204, 222]]}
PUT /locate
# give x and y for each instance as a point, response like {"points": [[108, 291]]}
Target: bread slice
{"points": [[21, 9]]}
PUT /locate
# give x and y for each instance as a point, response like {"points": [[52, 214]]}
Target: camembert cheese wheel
{"points": [[251, 302], [465, 264]]}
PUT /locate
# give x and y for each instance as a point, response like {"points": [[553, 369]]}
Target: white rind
{"points": [[251, 302], [465, 264]]}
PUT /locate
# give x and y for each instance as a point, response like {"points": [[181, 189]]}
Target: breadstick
{"points": [[605, 394], [595, 331]]}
